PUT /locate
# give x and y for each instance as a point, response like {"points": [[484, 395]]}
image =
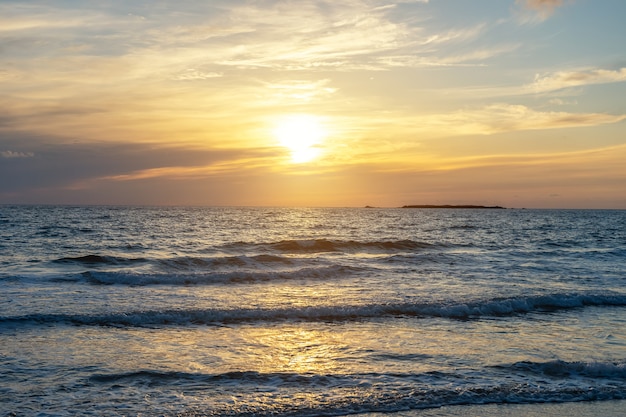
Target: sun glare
{"points": [[302, 135]]}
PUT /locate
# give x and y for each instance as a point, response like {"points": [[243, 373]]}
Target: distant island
{"points": [[448, 206]]}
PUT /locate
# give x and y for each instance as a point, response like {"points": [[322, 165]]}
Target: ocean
{"points": [[189, 311]]}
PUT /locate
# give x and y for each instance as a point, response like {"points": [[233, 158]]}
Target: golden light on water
{"points": [[302, 135]]}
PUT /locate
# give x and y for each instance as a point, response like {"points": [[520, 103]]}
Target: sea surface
{"points": [[147, 311]]}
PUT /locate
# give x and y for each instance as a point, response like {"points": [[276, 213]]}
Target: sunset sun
{"points": [[301, 135]]}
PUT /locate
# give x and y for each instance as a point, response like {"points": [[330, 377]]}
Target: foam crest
{"points": [[342, 394], [325, 313], [518, 305], [563, 369]]}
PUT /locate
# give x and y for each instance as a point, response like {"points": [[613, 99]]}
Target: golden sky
{"points": [[518, 103]]}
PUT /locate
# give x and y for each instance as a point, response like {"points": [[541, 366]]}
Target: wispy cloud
{"points": [[41, 21], [278, 35], [540, 9], [603, 158], [314, 35], [194, 74], [16, 154], [301, 91], [454, 35], [567, 79], [150, 77], [508, 117], [564, 83]]}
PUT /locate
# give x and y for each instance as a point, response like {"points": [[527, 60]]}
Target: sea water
{"points": [[145, 311]]}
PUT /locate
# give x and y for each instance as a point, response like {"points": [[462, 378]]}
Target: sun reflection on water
{"points": [[299, 350]]}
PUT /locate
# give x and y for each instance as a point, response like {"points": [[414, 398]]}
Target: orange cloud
{"points": [[543, 9]]}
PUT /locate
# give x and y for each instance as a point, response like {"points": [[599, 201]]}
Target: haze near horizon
{"points": [[513, 103]]}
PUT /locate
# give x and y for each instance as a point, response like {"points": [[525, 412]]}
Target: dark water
{"points": [[263, 311]]}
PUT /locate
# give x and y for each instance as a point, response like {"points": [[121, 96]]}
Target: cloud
{"points": [[570, 83], [340, 36], [587, 178], [14, 154], [63, 163], [41, 22], [476, 56], [193, 67], [8, 75], [194, 74], [567, 79], [542, 9], [299, 90], [454, 35], [561, 102], [509, 117], [312, 35]]}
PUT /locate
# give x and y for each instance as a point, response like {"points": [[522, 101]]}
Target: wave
{"points": [[98, 259], [328, 245], [553, 369], [339, 394], [217, 278], [187, 263], [194, 263], [257, 258], [246, 377], [563, 369], [265, 253], [217, 317]]}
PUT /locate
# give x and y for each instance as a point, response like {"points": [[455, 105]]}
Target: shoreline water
{"points": [[571, 409]]}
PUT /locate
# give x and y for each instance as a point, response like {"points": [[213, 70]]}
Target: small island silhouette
{"points": [[449, 206]]}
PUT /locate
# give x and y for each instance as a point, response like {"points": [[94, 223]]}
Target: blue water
{"points": [[321, 312]]}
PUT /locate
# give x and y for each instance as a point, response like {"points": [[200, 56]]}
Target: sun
{"points": [[301, 134]]}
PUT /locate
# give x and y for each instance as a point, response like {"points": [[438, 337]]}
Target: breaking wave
{"points": [[555, 369], [563, 369], [217, 278], [182, 262], [340, 394], [475, 310], [328, 245]]}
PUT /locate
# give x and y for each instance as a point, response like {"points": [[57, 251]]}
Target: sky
{"points": [[518, 103]]}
